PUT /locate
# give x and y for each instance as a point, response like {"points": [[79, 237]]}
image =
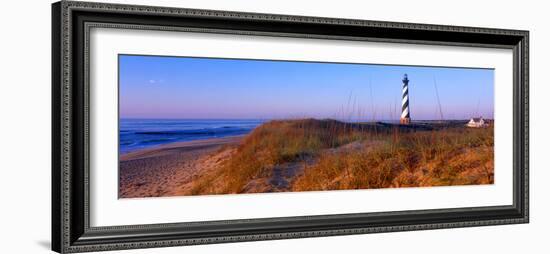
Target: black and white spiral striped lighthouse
{"points": [[405, 113]]}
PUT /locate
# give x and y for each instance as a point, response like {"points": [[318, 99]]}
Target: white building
{"points": [[477, 123]]}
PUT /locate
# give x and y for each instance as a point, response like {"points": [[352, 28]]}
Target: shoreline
{"points": [[183, 145], [169, 169]]}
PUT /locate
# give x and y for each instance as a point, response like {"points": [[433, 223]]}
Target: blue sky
{"points": [[209, 88]]}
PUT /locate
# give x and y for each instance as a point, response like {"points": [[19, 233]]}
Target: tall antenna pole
{"points": [[405, 113], [372, 111], [438, 101], [477, 109]]}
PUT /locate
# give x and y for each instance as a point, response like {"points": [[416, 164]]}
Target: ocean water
{"points": [[135, 134]]}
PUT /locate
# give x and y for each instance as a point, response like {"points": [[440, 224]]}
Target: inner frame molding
{"points": [[71, 23]]}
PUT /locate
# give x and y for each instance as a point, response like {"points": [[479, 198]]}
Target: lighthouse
{"points": [[405, 113]]}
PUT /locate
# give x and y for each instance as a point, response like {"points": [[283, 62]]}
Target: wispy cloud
{"points": [[156, 81]]}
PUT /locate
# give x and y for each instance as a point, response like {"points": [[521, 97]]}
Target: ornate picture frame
{"points": [[71, 202]]}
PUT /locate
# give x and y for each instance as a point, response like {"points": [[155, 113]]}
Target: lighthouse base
{"points": [[405, 121]]}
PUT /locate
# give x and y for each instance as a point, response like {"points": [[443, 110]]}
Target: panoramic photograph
{"points": [[206, 126]]}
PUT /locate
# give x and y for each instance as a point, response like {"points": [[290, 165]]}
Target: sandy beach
{"points": [[168, 170]]}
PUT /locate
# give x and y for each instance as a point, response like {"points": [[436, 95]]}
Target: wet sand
{"points": [[169, 170]]}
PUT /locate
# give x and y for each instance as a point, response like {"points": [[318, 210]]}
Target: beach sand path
{"points": [[168, 170]]}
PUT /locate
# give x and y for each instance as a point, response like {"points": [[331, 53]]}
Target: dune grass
{"points": [[274, 143], [455, 156], [380, 157]]}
